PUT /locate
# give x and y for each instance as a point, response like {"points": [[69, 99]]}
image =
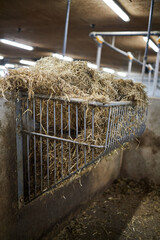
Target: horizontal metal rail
{"points": [[124, 33], [75, 100]]}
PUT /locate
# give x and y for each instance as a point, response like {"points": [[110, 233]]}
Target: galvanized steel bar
{"points": [[66, 27], [99, 51], [124, 33], [28, 151], [41, 153], [108, 124], [55, 162], [148, 37], [92, 132], [19, 140], [61, 141], [47, 145], [34, 139], [77, 134], [85, 135], [69, 134], [129, 67]]}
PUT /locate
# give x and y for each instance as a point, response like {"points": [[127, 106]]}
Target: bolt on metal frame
{"points": [[120, 125]]}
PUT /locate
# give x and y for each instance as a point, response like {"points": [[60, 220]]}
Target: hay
{"points": [[57, 78]]}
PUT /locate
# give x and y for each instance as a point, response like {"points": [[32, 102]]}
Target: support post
{"points": [[113, 41], [66, 28], [19, 143], [156, 69], [149, 75], [99, 51], [130, 57], [148, 37]]}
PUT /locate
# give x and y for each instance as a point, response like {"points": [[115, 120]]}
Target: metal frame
{"points": [[116, 135]]}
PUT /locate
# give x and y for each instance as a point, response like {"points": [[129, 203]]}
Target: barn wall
{"points": [[30, 221], [142, 160]]}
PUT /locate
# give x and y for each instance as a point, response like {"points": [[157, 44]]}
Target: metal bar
{"points": [[47, 147], [19, 140], [156, 70], [148, 37], [77, 134], [75, 100], [149, 78], [34, 139], [55, 163], [69, 134], [41, 154], [92, 132], [124, 33], [61, 139], [113, 41], [85, 135], [109, 114], [66, 27], [99, 51], [28, 151], [129, 67]]}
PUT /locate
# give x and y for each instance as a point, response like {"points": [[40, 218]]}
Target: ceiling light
{"points": [[117, 10], [91, 65], [1, 57], [26, 62], [8, 65], [122, 74], [151, 44], [108, 70], [65, 58], [16, 44]]}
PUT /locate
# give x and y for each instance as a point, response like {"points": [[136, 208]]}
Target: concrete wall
{"points": [[142, 160], [32, 220]]}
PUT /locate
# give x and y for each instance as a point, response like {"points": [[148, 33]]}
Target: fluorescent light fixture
{"points": [[117, 10], [108, 70], [65, 58], [91, 65], [8, 65], [122, 74], [151, 44], [26, 62], [16, 44], [1, 57]]}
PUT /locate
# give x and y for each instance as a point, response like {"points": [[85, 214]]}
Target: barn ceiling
{"points": [[41, 24]]}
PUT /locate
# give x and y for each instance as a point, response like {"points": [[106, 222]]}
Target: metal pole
{"points": [[113, 41], [129, 67], [123, 33], [99, 51], [156, 69], [66, 28], [148, 36]]}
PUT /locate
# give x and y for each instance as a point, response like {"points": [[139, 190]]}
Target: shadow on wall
{"points": [[143, 160]]}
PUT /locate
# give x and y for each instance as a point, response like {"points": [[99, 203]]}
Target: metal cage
{"points": [[56, 138]]}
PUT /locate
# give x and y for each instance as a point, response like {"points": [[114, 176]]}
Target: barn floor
{"points": [[128, 210]]}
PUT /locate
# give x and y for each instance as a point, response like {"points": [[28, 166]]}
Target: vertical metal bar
{"points": [[129, 66], [19, 140], [113, 41], [28, 152], [92, 132], [99, 51], [77, 133], [55, 162], [85, 135], [47, 148], [35, 162], [149, 78], [41, 161], [66, 27], [110, 129], [156, 70], [69, 134], [148, 37], [62, 141], [109, 114]]}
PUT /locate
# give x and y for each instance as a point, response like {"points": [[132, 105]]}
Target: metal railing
{"points": [[56, 138]]}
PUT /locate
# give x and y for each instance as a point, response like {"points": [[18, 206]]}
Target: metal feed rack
{"points": [[37, 168]]}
